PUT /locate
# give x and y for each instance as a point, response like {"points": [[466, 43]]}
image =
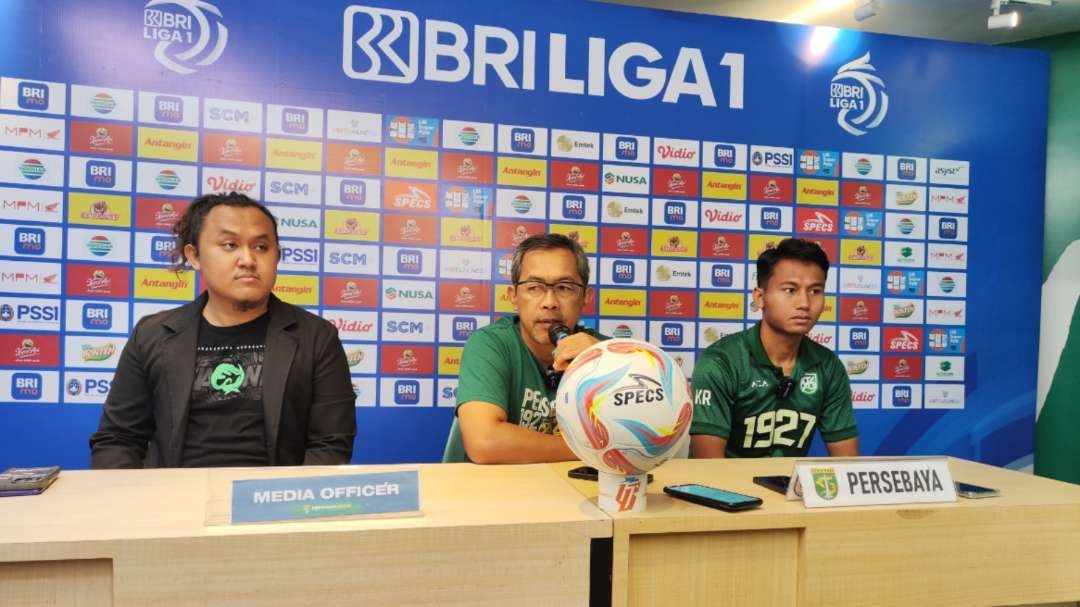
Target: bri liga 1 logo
{"points": [[189, 33], [859, 95]]}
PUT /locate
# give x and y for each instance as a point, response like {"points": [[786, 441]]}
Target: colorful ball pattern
{"points": [[624, 406]]}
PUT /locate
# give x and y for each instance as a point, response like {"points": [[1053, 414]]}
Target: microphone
{"points": [[556, 332]]}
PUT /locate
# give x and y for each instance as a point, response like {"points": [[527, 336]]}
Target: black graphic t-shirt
{"points": [[226, 425]]}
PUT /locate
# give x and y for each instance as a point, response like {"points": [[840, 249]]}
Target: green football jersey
{"points": [[497, 367], [735, 398]]}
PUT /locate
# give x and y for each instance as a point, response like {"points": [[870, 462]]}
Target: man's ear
{"points": [[191, 254]]}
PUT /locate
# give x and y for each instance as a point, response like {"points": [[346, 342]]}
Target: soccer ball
{"points": [[624, 407]]}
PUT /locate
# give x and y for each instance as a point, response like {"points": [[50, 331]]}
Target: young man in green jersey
{"points": [[763, 391], [506, 388]]}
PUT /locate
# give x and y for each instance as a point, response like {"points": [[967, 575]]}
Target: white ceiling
{"points": [[956, 20]]}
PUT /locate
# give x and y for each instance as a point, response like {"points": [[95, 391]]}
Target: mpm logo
{"points": [[26, 386], [463, 327], [101, 174], [406, 392], [97, 317]]}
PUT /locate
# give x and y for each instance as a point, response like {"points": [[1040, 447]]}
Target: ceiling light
{"points": [[1001, 21], [866, 9]]}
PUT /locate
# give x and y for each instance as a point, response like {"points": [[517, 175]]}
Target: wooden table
{"points": [[499, 535], [1020, 548]]}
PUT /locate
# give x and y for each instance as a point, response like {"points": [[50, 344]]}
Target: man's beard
{"points": [[248, 305]]}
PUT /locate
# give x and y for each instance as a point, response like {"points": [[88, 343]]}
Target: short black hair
{"points": [[187, 229], [795, 249], [549, 241]]}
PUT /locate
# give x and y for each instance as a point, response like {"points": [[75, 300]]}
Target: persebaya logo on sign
{"points": [[383, 45], [227, 378], [809, 383], [860, 96], [825, 483], [186, 38]]}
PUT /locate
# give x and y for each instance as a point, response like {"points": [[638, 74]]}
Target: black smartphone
{"points": [[713, 497], [778, 484], [588, 473], [975, 491]]}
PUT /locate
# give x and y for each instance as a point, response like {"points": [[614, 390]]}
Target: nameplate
{"points": [[872, 481], [313, 497]]}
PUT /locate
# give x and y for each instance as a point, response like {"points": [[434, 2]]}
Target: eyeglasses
{"points": [[564, 290]]}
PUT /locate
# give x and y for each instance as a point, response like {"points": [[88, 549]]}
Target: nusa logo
{"points": [[374, 49]]}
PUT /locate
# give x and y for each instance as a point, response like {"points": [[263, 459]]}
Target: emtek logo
{"points": [[463, 327], [406, 392], [622, 271], [33, 96], [97, 317], [671, 334], [410, 261], [26, 386], [675, 212], [29, 241], [161, 249], [168, 109], [722, 275], [294, 120], [626, 148], [101, 174], [574, 207]]}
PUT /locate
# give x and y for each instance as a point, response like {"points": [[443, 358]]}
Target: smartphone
{"points": [[975, 491], [588, 473], [713, 497], [778, 484]]}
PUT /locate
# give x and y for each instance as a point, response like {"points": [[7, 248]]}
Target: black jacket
{"points": [[307, 393]]}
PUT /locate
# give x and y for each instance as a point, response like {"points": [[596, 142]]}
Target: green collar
{"points": [[807, 356]]}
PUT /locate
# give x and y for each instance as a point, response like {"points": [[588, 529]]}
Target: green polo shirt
{"points": [[498, 368], [735, 398]]}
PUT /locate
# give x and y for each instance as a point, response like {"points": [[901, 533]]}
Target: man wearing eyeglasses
{"points": [[762, 392], [510, 369]]}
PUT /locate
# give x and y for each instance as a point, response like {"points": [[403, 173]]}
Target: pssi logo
{"points": [[189, 33]]}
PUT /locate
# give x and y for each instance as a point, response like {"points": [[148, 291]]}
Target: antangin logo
{"points": [[184, 33], [866, 96]]}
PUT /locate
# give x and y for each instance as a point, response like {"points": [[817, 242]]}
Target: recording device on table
{"points": [[588, 473], [975, 491], [557, 332], [27, 481], [777, 483], [713, 497]]}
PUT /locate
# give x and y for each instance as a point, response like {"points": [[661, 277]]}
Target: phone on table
{"points": [[778, 484], [975, 491], [588, 473], [713, 497]]}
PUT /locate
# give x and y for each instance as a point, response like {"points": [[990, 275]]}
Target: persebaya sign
{"points": [[867, 481]]}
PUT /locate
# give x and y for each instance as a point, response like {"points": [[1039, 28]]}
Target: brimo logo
{"points": [[370, 52], [862, 96], [183, 35]]}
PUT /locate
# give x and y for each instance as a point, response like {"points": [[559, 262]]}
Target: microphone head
{"points": [[557, 331]]}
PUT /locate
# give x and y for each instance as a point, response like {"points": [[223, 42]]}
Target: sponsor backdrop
{"points": [[407, 147]]}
